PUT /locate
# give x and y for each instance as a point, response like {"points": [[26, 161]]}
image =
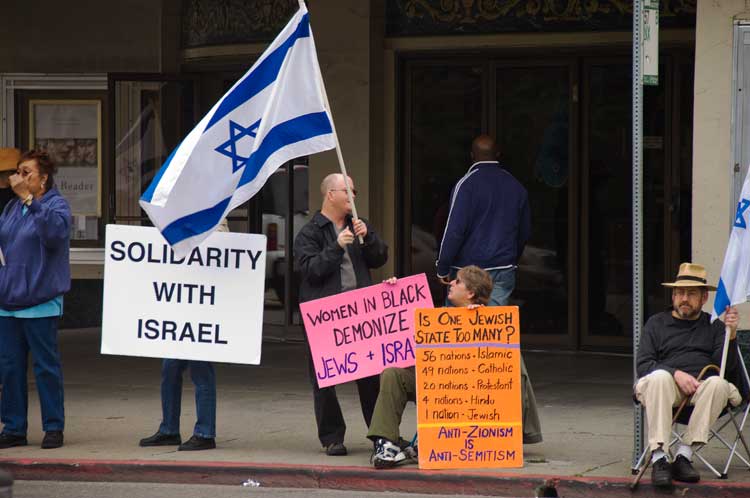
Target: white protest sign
{"points": [[207, 306]]}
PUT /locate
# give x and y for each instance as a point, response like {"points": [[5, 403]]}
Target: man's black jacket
{"points": [[319, 257]]}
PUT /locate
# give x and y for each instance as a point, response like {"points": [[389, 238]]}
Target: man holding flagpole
{"points": [[675, 346], [276, 112], [331, 260]]}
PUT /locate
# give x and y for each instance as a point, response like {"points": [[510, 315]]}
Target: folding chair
{"points": [[729, 416], [682, 415]]}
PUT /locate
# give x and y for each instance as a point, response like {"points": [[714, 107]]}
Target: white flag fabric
{"points": [[734, 284], [274, 113]]}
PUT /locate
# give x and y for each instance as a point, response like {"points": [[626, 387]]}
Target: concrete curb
{"points": [[347, 478]]}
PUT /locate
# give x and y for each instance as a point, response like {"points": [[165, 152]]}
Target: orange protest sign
{"points": [[468, 387]]}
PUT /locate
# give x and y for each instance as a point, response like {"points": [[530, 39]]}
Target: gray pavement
{"points": [[265, 412]]}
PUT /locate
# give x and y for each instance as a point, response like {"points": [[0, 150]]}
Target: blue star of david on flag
{"points": [[734, 283], [739, 218], [188, 198], [229, 148]]}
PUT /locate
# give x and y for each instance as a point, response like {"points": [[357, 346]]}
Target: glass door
{"points": [[606, 235], [535, 107], [530, 108], [150, 114], [564, 130], [444, 112]]}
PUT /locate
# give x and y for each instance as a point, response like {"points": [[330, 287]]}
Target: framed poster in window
{"points": [[70, 131]]}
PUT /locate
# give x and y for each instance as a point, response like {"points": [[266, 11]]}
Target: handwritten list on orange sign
{"points": [[468, 387]]}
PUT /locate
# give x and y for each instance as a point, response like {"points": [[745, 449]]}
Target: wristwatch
{"points": [[29, 198]]}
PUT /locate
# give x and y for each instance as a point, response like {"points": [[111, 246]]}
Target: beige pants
{"points": [[658, 393]]}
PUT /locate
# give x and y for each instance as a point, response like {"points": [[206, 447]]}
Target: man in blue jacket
{"points": [[489, 222]]}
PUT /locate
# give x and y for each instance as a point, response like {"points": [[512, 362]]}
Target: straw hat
{"points": [[9, 158], [690, 275]]}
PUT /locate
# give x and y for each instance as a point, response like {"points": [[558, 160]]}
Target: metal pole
{"points": [[637, 215]]}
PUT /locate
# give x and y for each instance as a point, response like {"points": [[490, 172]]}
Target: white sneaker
{"points": [[387, 454]]}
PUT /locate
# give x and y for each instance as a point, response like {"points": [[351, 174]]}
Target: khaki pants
{"points": [[658, 393]]}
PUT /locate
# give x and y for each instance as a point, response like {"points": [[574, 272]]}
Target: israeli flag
{"points": [[274, 113], [734, 284]]}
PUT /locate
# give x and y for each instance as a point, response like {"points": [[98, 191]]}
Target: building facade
{"points": [[411, 82]]}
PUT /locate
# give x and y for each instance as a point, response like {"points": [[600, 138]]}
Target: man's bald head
{"points": [[332, 181], [327, 183], [335, 199], [484, 148]]}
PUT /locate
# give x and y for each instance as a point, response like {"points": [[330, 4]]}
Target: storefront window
{"points": [[70, 131], [151, 117], [281, 299], [71, 126]]}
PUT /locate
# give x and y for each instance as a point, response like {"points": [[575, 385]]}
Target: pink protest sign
{"points": [[359, 333]]}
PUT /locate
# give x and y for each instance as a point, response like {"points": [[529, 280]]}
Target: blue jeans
{"points": [[503, 283], [18, 337], [204, 379]]}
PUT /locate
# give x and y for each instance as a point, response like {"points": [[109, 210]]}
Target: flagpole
{"points": [[338, 150], [725, 352]]}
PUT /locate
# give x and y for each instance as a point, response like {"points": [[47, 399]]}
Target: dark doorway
{"points": [[564, 127]]}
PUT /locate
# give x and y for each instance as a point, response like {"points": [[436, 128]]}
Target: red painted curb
{"points": [[347, 478]]}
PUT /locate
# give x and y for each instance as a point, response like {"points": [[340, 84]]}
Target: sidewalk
{"points": [[265, 424]]}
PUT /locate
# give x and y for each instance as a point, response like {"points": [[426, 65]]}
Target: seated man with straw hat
{"points": [[675, 346]]}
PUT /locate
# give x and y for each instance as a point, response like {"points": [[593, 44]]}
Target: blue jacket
{"points": [[489, 221], [36, 247]]}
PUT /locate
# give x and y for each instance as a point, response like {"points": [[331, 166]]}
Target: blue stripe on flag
{"points": [[721, 301], [264, 74], [149, 193], [195, 223], [286, 133]]}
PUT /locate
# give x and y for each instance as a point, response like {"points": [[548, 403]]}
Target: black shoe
{"points": [[197, 443], [661, 473], [52, 439], [10, 440], [160, 439], [683, 471], [336, 449]]}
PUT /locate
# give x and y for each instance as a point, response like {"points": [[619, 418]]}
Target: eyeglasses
{"points": [[354, 190]]}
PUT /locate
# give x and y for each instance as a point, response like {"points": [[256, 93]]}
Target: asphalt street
{"points": [[56, 489]]}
